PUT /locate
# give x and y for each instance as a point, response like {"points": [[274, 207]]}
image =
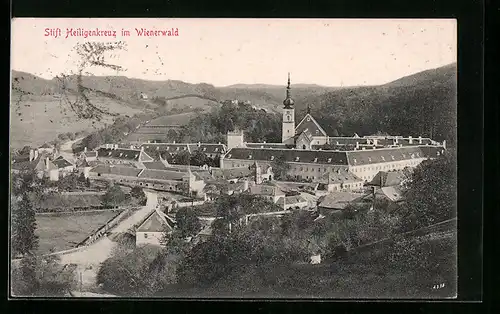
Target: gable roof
{"points": [[339, 200], [207, 148], [373, 156], [39, 164], [295, 199], [155, 165], [119, 153], [61, 162], [339, 176], [162, 175], [269, 190], [308, 122], [388, 178], [393, 193], [89, 153], [156, 222], [121, 171], [291, 155]]}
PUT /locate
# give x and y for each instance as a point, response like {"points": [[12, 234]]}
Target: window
{"points": [[145, 236]]}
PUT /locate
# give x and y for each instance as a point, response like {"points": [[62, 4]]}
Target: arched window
{"points": [[303, 146]]}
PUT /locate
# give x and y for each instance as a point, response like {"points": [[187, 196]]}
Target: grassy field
{"points": [[64, 231], [39, 119]]}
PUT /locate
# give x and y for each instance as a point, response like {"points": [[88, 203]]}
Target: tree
{"points": [[27, 190], [280, 167], [87, 182], [41, 276], [114, 196], [187, 222], [138, 193], [432, 192], [24, 240]]}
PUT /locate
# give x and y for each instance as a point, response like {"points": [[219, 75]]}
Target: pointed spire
{"points": [[308, 109], [288, 87], [288, 102]]}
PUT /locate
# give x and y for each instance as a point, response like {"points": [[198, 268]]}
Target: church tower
{"points": [[288, 128]]}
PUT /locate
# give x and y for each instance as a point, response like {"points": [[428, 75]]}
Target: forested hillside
{"points": [[421, 104]]}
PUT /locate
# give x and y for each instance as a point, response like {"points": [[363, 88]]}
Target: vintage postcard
{"points": [[234, 158]]}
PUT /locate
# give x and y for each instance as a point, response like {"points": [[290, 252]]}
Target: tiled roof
{"points": [[335, 177], [162, 175], [207, 148], [339, 200], [121, 171], [391, 192], [291, 155], [37, 164], [120, 153], [155, 165], [372, 156], [308, 122], [263, 189], [61, 162], [295, 199], [266, 145], [387, 178], [46, 145], [343, 140], [155, 222]]}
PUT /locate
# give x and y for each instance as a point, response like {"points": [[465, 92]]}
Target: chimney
{"points": [[131, 146], [174, 141], [47, 163], [410, 140], [142, 148], [357, 145], [85, 149], [218, 143], [420, 139], [444, 144], [35, 156], [32, 154]]}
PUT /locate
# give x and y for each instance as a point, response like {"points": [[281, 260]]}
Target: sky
{"points": [[328, 52]]}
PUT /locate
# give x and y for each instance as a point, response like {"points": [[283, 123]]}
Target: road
{"points": [[66, 149], [89, 258]]}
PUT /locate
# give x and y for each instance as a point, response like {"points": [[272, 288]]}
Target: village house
{"points": [[292, 202], [153, 229], [337, 202], [64, 166], [88, 155], [112, 154], [40, 164], [162, 180]]}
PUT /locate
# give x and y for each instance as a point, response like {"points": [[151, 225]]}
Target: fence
{"points": [[104, 229]]}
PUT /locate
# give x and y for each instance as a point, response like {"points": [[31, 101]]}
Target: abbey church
{"points": [[303, 147]]}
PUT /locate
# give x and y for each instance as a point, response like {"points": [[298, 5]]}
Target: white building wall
{"points": [[152, 238]]}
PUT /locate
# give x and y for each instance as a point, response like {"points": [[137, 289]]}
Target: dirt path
{"points": [[89, 259]]}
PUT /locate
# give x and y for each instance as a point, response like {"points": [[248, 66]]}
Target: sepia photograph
{"points": [[233, 158]]}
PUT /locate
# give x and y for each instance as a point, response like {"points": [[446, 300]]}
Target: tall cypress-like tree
{"points": [[27, 192], [24, 239]]}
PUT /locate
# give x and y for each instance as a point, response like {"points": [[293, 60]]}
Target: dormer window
{"points": [[438, 153], [317, 131], [249, 156], [121, 154], [404, 155], [392, 157], [316, 159], [216, 149], [168, 147], [204, 148], [177, 148], [329, 160], [109, 154], [383, 158], [147, 146], [184, 148], [418, 154], [369, 159], [229, 156], [158, 147], [136, 155], [272, 157], [297, 158]]}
